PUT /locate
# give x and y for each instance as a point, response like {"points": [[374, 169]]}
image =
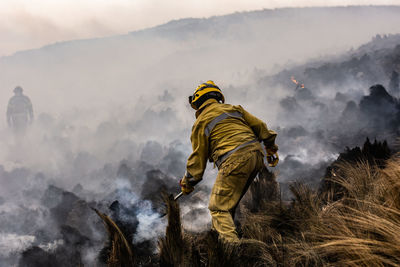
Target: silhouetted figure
{"points": [[19, 111]]}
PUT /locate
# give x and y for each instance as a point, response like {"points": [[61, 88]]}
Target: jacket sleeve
{"points": [[197, 161], [29, 107], [259, 128]]}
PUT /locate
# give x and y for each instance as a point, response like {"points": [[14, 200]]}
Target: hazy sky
{"points": [[26, 24]]}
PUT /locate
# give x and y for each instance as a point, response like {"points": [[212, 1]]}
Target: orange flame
{"points": [[296, 82]]}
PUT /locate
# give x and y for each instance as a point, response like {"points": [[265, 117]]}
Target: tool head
{"points": [[175, 198]]}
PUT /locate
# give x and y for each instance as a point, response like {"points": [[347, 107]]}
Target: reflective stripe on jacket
{"points": [[220, 128]]}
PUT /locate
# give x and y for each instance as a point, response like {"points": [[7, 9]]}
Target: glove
{"points": [[272, 155], [271, 149], [185, 186]]}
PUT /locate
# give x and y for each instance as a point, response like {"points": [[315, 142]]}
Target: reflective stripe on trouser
{"points": [[233, 180]]}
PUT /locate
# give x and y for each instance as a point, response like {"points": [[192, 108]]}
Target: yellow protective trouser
{"points": [[234, 178]]}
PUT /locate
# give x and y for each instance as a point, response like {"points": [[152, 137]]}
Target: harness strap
{"points": [[222, 158]]}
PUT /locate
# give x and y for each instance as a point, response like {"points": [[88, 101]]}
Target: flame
{"points": [[296, 82]]}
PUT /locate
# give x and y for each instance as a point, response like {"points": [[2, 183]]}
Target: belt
{"points": [[222, 158]]}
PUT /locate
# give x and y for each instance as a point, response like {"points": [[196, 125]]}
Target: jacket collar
{"points": [[204, 105]]}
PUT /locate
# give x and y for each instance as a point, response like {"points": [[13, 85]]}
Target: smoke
{"points": [[112, 129], [12, 243], [337, 108]]}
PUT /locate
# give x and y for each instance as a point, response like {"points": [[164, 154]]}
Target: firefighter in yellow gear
{"points": [[230, 137]]}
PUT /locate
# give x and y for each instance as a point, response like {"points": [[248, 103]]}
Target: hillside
{"points": [[179, 53], [112, 131], [344, 99], [313, 229]]}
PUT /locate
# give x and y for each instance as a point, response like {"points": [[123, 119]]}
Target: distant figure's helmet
{"points": [[18, 89], [204, 92]]}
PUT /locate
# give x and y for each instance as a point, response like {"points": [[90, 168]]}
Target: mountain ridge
{"points": [[178, 24], [181, 52]]}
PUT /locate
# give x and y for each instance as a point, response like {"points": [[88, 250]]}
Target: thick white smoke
{"points": [[112, 122]]}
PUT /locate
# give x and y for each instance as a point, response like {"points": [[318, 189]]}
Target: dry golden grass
{"points": [[360, 228], [120, 252]]}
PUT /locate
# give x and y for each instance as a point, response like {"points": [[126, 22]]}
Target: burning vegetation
{"points": [[349, 218], [352, 222], [298, 84]]}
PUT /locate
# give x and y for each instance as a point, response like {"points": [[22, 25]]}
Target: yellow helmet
{"points": [[204, 92]]}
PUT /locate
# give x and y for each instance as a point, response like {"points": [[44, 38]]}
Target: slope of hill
{"points": [[182, 52], [311, 230], [341, 104], [113, 124]]}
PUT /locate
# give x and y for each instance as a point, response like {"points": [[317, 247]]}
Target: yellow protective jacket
{"points": [[220, 128]]}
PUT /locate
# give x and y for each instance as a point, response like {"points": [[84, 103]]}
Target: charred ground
{"points": [[345, 99], [338, 224]]}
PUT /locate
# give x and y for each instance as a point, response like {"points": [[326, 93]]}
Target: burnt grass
{"points": [[299, 232]]}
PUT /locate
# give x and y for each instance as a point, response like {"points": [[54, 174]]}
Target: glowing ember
{"points": [[297, 83]]}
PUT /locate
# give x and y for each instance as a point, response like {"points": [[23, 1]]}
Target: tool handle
{"points": [[178, 196]]}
